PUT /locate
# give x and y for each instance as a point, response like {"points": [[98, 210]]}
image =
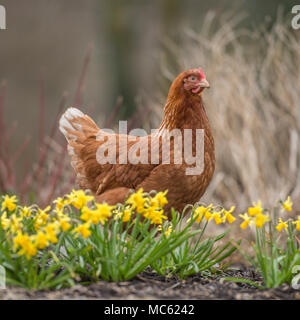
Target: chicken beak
{"points": [[204, 83]]}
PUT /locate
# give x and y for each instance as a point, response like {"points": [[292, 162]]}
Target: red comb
{"points": [[202, 75]]}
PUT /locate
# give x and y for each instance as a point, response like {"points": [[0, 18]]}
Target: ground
{"points": [[149, 285]]}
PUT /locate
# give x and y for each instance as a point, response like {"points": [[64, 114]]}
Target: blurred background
{"points": [[116, 60]]}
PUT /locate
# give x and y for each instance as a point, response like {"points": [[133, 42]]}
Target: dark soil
{"points": [[149, 285]]}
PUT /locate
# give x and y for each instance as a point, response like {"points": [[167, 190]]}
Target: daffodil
{"points": [[64, 223], [15, 223], [282, 225], [25, 212], [101, 214], [246, 221], [41, 217], [217, 217], [228, 216], [61, 202], [79, 199], [51, 231], [41, 240], [83, 229], [5, 222], [168, 231], [26, 245], [9, 203], [62, 220], [208, 215], [202, 212], [20, 240], [297, 223], [29, 250], [124, 215], [86, 214], [260, 219], [287, 204], [137, 200], [256, 209], [156, 216], [159, 199]]}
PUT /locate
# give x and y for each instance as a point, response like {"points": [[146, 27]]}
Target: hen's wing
{"points": [[86, 144]]}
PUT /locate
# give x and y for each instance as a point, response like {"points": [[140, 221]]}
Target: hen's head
{"points": [[189, 83]]}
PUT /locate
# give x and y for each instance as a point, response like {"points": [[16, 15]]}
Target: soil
{"points": [[149, 285]]}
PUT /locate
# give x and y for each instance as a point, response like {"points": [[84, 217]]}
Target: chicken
{"points": [[112, 181]]}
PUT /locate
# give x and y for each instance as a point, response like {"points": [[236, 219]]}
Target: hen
{"points": [[111, 182]]}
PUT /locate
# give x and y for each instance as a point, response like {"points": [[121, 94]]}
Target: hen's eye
{"points": [[193, 78]]}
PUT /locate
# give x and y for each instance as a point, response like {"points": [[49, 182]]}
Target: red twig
{"points": [[42, 111], [2, 97], [78, 94], [21, 149], [56, 175], [108, 123]]}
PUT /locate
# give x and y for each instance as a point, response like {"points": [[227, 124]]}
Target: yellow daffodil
{"points": [[9, 203], [297, 223], [217, 217], [137, 200], [228, 216], [86, 214], [41, 240], [156, 216], [83, 229], [61, 202], [208, 215], [103, 212], [20, 240], [159, 199], [260, 219], [64, 223], [282, 225], [287, 204], [168, 231], [124, 215], [24, 242], [246, 221], [29, 250], [79, 199], [15, 223], [202, 212], [25, 212], [100, 214], [41, 217], [256, 209], [51, 231], [5, 222]]}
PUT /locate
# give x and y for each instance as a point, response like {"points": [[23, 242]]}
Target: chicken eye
{"points": [[192, 78]]}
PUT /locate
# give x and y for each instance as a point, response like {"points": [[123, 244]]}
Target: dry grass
{"points": [[253, 106]]}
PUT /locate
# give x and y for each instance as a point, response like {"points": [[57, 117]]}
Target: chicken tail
{"points": [[77, 127]]}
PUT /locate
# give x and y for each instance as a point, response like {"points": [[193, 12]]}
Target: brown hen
{"points": [[105, 166]]}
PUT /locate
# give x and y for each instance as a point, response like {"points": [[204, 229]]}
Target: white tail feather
{"points": [[65, 124]]}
